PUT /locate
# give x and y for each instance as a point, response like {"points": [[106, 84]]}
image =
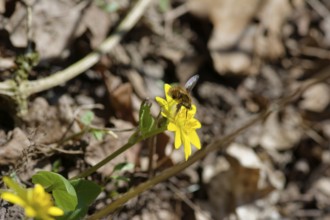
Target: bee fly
{"points": [[182, 95]]}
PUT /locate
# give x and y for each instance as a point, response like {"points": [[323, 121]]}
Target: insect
{"points": [[182, 95]]}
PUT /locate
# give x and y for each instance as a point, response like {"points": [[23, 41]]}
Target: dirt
{"points": [[249, 56]]}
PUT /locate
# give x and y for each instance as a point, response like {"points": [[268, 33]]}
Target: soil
{"points": [[249, 57]]}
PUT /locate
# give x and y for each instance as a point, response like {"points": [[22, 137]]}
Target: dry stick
{"points": [[58, 78], [151, 142], [217, 144], [319, 8]]}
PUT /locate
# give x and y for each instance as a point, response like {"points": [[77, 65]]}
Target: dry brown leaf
{"points": [[230, 22], [11, 151], [264, 210], [245, 180], [163, 160], [272, 17], [52, 29], [235, 38], [322, 192], [121, 102], [97, 151], [316, 98], [99, 32], [281, 133], [137, 83], [2, 7], [55, 24], [47, 121]]}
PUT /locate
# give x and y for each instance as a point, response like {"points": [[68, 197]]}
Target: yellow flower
{"points": [[181, 122], [36, 202]]}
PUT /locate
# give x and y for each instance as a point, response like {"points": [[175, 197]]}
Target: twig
{"points": [[177, 12], [185, 199], [72, 152], [319, 8], [151, 142], [316, 52], [29, 27], [82, 65]]}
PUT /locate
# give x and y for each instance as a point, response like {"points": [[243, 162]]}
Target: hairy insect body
{"points": [[180, 95]]}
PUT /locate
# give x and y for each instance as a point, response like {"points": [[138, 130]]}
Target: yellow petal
{"points": [[30, 212], [177, 142], [171, 127], [55, 211], [8, 181], [181, 115], [38, 191], [14, 186], [187, 146], [195, 124], [192, 111], [164, 115], [194, 139], [162, 102], [30, 196], [12, 198], [166, 88]]}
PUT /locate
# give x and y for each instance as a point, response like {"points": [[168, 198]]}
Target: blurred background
{"points": [[249, 55]]}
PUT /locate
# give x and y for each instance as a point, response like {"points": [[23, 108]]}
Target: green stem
{"points": [[135, 138], [71, 137]]}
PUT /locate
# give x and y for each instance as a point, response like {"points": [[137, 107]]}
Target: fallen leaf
{"points": [[54, 29], [245, 180], [12, 150], [316, 98], [97, 151], [235, 38], [121, 102], [281, 133]]}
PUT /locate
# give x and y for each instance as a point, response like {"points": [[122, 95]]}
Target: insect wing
{"points": [[191, 82]]}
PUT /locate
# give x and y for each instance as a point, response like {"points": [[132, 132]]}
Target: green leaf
{"points": [[113, 193], [98, 135], [122, 178], [146, 121], [164, 5], [87, 192], [120, 168], [123, 166], [111, 7], [87, 118], [64, 194], [56, 165], [107, 7]]}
